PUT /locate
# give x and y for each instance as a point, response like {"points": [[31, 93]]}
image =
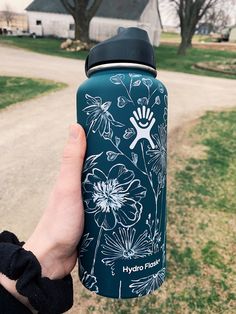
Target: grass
{"points": [[211, 181], [49, 46], [166, 55], [167, 59], [201, 226], [175, 37], [17, 89]]}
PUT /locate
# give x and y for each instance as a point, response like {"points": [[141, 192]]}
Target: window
{"points": [[72, 27], [38, 22]]}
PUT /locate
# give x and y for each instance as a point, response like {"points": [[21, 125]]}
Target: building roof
{"points": [[121, 9]]}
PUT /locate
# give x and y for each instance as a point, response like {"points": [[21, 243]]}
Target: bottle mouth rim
{"points": [[121, 65]]}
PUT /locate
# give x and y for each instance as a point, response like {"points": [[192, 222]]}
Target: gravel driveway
{"points": [[33, 132]]}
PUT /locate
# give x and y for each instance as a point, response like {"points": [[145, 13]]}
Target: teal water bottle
{"points": [[123, 109]]}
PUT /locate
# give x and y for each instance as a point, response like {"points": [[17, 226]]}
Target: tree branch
{"points": [[93, 8], [68, 7]]}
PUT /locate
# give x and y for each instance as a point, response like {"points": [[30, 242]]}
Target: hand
{"points": [[57, 234], [143, 122]]}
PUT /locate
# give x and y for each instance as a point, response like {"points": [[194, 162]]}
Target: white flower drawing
{"points": [[159, 153], [125, 246], [148, 284], [90, 282], [113, 198], [99, 118]]}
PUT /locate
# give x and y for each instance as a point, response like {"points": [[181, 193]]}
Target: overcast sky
{"points": [[15, 5]]}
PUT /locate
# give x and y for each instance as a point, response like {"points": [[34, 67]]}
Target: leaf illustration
{"points": [[90, 162], [165, 115], [166, 100], [85, 243], [134, 158], [136, 83], [157, 101], [117, 140], [161, 88], [128, 133], [117, 79], [106, 106], [116, 123], [111, 156], [108, 135], [147, 82], [122, 101], [143, 101]]}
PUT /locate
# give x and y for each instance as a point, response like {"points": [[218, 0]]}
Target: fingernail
{"points": [[74, 131]]}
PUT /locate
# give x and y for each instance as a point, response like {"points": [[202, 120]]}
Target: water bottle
{"points": [[123, 109]]}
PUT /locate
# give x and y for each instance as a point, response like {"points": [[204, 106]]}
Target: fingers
{"points": [[69, 179], [151, 123], [133, 121]]}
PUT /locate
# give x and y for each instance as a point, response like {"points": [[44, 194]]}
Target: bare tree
{"points": [[82, 14], [220, 14], [8, 15], [218, 18], [190, 12]]}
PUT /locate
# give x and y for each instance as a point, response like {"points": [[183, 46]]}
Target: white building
{"points": [[49, 18]]}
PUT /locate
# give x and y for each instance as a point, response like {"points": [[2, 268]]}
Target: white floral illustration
{"points": [[99, 118], [85, 242], [90, 162], [128, 133], [154, 235], [159, 153], [161, 88], [90, 282], [113, 198], [148, 284], [125, 245], [143, 122]]}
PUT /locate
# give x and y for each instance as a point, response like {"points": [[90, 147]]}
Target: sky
{"points": [[15, 5]]}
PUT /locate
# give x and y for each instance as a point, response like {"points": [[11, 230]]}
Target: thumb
{"points": [[69, 179]]}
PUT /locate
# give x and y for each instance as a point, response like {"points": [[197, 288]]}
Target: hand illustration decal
{"points": [[143, 122]]}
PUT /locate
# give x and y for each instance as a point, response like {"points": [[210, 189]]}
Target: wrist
{"points": [[54, 265], [44, 251]]}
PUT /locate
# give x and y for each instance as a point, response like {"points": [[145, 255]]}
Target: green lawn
{"points": [[16, 89], [175, 37], [168, 59], [49, 46], [166, 55], [201, 226]]}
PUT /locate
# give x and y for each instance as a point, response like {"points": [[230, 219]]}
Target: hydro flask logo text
{"points": [[136, 268]]}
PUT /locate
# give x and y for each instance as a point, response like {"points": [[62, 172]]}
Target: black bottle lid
{"points": [[130, 45]]}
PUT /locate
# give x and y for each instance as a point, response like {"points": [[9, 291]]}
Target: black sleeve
{"points": [[9, 305], [45, 295]]}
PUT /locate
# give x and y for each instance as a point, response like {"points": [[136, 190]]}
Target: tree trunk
{"points": [[82, 30], [186, 42], [183, 46]]}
